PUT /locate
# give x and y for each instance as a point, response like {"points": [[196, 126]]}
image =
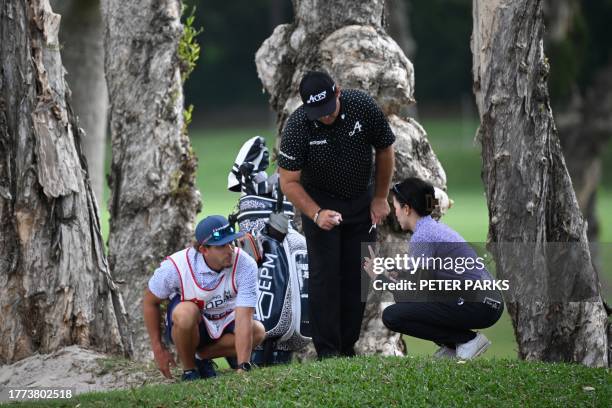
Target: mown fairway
{"points": [[377, 382]]}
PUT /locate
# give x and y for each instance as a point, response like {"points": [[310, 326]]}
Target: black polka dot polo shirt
{"points": [[336, 159]]}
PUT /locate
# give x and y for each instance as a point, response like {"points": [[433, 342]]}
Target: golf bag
{"points": [[279, 250]]}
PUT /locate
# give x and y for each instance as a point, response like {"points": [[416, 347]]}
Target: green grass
{"points": [[452, 141], [381, 382], [216, 151]]}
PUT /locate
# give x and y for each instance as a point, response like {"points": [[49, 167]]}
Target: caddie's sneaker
{"points": [[206, 368], [445, 352], [190, 375], [473, 348]]}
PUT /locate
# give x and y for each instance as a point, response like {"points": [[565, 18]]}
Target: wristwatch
{"points": [[245, 366]]}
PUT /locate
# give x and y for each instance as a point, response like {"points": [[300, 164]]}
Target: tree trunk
{"points": [[55, 287], [154, 200], [556, 309], [83, 56], [346, 38]]}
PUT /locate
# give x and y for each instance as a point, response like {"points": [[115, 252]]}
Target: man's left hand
{"points": [[379, 209]]}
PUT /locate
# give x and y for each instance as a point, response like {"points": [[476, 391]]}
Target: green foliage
{"points": [[189, 49], [379, 382], [567, 58], [189, 53], [187, 117], [443, 59], [225, 76], [598, 45]]}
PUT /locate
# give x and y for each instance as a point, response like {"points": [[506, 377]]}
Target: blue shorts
{"points": [[205, 338]]}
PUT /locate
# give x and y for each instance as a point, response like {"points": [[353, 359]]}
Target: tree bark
{"points": [[154, 200], [346, 38], [55, 286], [529, 192], [83, 56]]}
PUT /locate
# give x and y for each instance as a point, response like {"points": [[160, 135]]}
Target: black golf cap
{"points": [[318, 93]]}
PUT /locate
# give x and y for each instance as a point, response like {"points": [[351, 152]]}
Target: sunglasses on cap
{"points": [[218, 235]]}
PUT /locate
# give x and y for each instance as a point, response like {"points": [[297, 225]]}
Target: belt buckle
{"points": [[495, 304]]}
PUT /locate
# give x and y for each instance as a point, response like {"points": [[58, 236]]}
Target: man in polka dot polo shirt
{"points": [[326, 170]]}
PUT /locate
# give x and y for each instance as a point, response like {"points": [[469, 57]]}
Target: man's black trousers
{"points": [[444, 323], [335, 274]]}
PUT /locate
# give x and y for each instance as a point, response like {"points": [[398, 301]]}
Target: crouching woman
{"points": [[448, 321]]}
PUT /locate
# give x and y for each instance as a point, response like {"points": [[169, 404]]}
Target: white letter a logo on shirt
{"points": [[356, 129]]}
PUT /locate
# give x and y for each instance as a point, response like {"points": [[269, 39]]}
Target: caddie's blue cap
{"points": [[215, 230]]}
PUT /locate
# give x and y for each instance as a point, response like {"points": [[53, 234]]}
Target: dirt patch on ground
{"points": [[80, 369]]}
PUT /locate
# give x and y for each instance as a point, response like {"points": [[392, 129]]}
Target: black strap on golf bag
{"points": [[270, 344]]}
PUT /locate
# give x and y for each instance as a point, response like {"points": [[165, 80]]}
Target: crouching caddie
{"points": [[212, 292]]}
